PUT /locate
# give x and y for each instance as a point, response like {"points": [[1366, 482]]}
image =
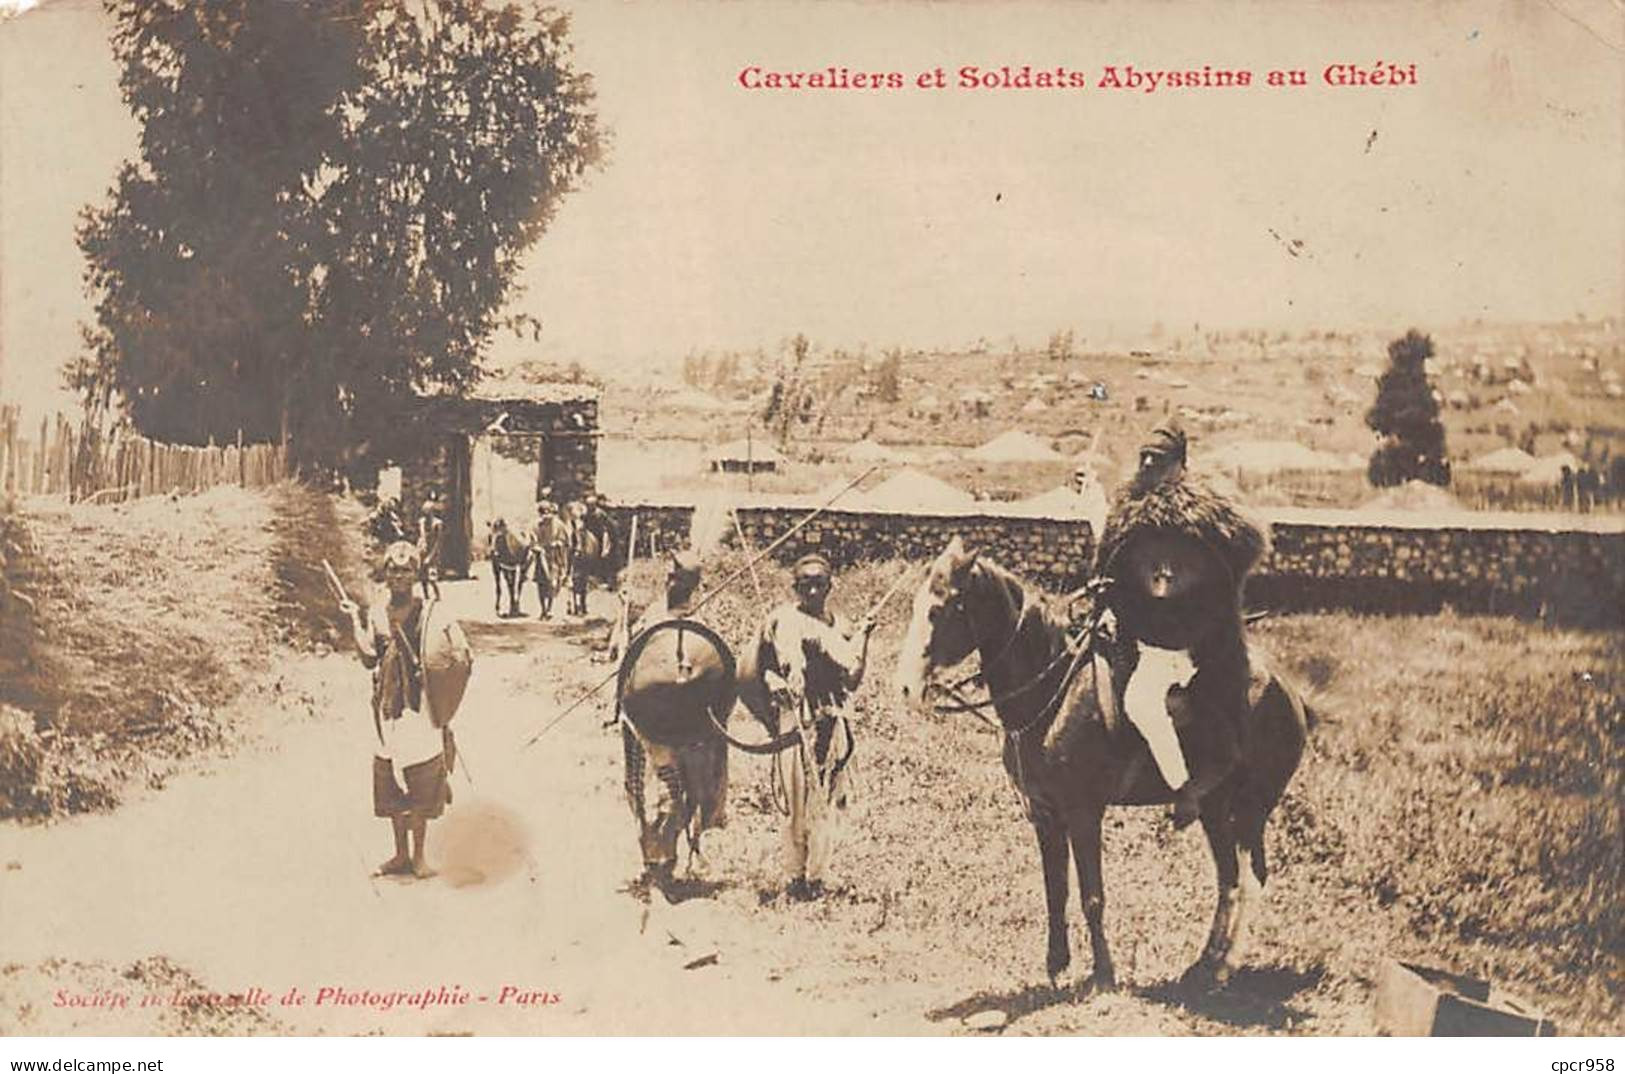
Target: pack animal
{"points": [[1070, 753], [510, 560], [592, 554]]}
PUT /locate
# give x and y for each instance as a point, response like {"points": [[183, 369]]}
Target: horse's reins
{"points": [[994, 700], [1014, 735]]}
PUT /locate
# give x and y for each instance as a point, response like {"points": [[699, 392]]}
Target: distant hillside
{"points": [[1543, 387]]}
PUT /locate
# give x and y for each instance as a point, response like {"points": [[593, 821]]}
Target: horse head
{"points": [[939, 630]]}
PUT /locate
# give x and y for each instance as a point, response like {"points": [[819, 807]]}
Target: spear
{"points": [[891, 592], [723, 585], [334, 584]]}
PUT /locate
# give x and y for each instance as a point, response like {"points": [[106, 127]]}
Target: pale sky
{"points": [[727, 217]]}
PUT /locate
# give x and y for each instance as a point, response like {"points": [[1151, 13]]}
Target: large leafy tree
{"points": [[1405, 416], [328, 212]]}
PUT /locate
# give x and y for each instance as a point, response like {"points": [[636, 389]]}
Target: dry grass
{"points": [[1460, 805], [150, 616], [183, 1005]]}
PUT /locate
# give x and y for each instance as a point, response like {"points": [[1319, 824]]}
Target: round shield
{"points": [[676, 678]]}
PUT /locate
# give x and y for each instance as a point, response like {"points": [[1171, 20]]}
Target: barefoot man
{"points": [[409, 765], [812, 662]]}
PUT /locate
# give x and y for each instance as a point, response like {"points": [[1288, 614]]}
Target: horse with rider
{"points": [[1138, 689]]}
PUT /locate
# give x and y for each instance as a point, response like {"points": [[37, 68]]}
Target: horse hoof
{"points": [[1100, 981], [1057, 964]]}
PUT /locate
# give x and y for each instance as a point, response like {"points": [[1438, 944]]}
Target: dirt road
{"points": [[253, 872]]}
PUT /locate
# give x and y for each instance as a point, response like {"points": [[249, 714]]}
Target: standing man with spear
{"points": [[812, 661]]}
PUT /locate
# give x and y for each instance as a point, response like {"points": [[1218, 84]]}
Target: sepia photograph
{"points": [[848, 519]]}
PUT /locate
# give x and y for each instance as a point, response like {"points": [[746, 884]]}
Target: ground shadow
{"points": [[1256, 997], [523, 635], [1014, 1005], [682, 889], [674, 889]]}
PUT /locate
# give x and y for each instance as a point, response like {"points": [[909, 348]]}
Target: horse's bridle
{"points": [[957, 604], [1013, 736]]}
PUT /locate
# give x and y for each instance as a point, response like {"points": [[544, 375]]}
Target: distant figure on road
{"points": [[1565, 488], [431, 534], [1586, 486], [550, 545], [592, 553], [384, 524]]}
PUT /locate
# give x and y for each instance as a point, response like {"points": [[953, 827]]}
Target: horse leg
{"points": [[1052, 849], [1083, 825], [496, 586], [1217, 961], [1252, 869]]}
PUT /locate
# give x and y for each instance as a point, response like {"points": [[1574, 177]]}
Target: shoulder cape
{"points": [[1187, 506]]}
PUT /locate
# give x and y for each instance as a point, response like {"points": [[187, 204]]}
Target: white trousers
{"points": [[816, 812], [1145, 698]]}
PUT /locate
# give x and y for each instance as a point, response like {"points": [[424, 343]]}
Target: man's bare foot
{"points": [[421, 870], [396, 866]]}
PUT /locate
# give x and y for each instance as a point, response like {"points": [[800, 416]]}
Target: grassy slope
{"points": [[150, 617], [1460, 805]]}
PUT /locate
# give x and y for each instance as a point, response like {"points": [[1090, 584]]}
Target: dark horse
{"points": [[1071, 753], [510, 558]]}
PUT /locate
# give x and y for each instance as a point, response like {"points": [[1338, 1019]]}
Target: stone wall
{"points": [[1570, 575], [1322, 560], [1053, 552]]}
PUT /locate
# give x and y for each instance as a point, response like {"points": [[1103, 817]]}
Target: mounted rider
{"points": [[812, 661], [1170, 570], [690, 781]]}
